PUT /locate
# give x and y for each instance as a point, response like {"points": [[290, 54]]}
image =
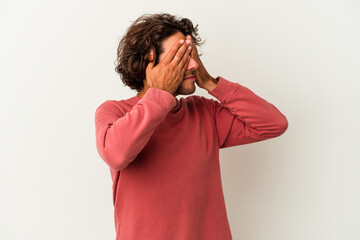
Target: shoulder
{"points": [[115, 106], [107, 104]]}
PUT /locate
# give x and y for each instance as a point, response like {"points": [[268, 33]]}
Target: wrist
{"points": [[211, 84]]}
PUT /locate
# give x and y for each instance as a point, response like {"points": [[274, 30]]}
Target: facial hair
{"points": [[184, 91]]}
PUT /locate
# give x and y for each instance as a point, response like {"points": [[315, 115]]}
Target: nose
{"points": [[193, 65]]}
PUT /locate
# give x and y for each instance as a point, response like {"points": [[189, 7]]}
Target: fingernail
{"points": [[181, 41]]}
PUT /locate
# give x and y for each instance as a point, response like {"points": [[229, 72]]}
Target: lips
{"points": [[189, 77]]}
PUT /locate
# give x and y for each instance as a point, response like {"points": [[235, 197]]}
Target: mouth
{"points": [[191, 77]]}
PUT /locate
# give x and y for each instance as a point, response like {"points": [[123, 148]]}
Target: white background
{"points": [[303, 56]]}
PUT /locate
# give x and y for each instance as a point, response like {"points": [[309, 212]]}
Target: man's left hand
{"points": [[203, 78]]}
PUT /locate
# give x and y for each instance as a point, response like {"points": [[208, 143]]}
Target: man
{"points": [[163, 153]]}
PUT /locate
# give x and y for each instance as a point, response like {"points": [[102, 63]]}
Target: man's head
{"points": [[158, 32]]}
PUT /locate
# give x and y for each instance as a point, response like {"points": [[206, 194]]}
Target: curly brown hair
{"points": [[147, 32]]}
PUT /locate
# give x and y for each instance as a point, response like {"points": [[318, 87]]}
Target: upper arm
{"points": [[231, 130]]}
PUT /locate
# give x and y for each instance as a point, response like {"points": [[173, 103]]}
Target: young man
{"points": [[163, 153]]}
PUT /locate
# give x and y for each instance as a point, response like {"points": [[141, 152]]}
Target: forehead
{"points": [[171, 40]]}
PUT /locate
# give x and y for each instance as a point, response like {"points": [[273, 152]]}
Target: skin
{"points": [[195, 68]]}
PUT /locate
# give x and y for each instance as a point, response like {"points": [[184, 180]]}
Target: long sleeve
{"points": [[242, 117], [120, 135]]}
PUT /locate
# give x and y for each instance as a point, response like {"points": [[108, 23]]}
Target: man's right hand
{"points": [[169, 73]]}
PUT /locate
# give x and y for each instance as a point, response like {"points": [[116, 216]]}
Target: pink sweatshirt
{"points": [[163, 156]]}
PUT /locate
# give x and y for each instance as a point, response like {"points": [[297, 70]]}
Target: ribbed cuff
{"points": [[224, 89]]}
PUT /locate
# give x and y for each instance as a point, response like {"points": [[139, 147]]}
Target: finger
{"points": [[170, 55], [183, 70], [186, 58], [194, 50], [185, 65], [180, 54]]}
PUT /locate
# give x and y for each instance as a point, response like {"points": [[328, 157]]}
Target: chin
{"points": [[186, 89]]}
